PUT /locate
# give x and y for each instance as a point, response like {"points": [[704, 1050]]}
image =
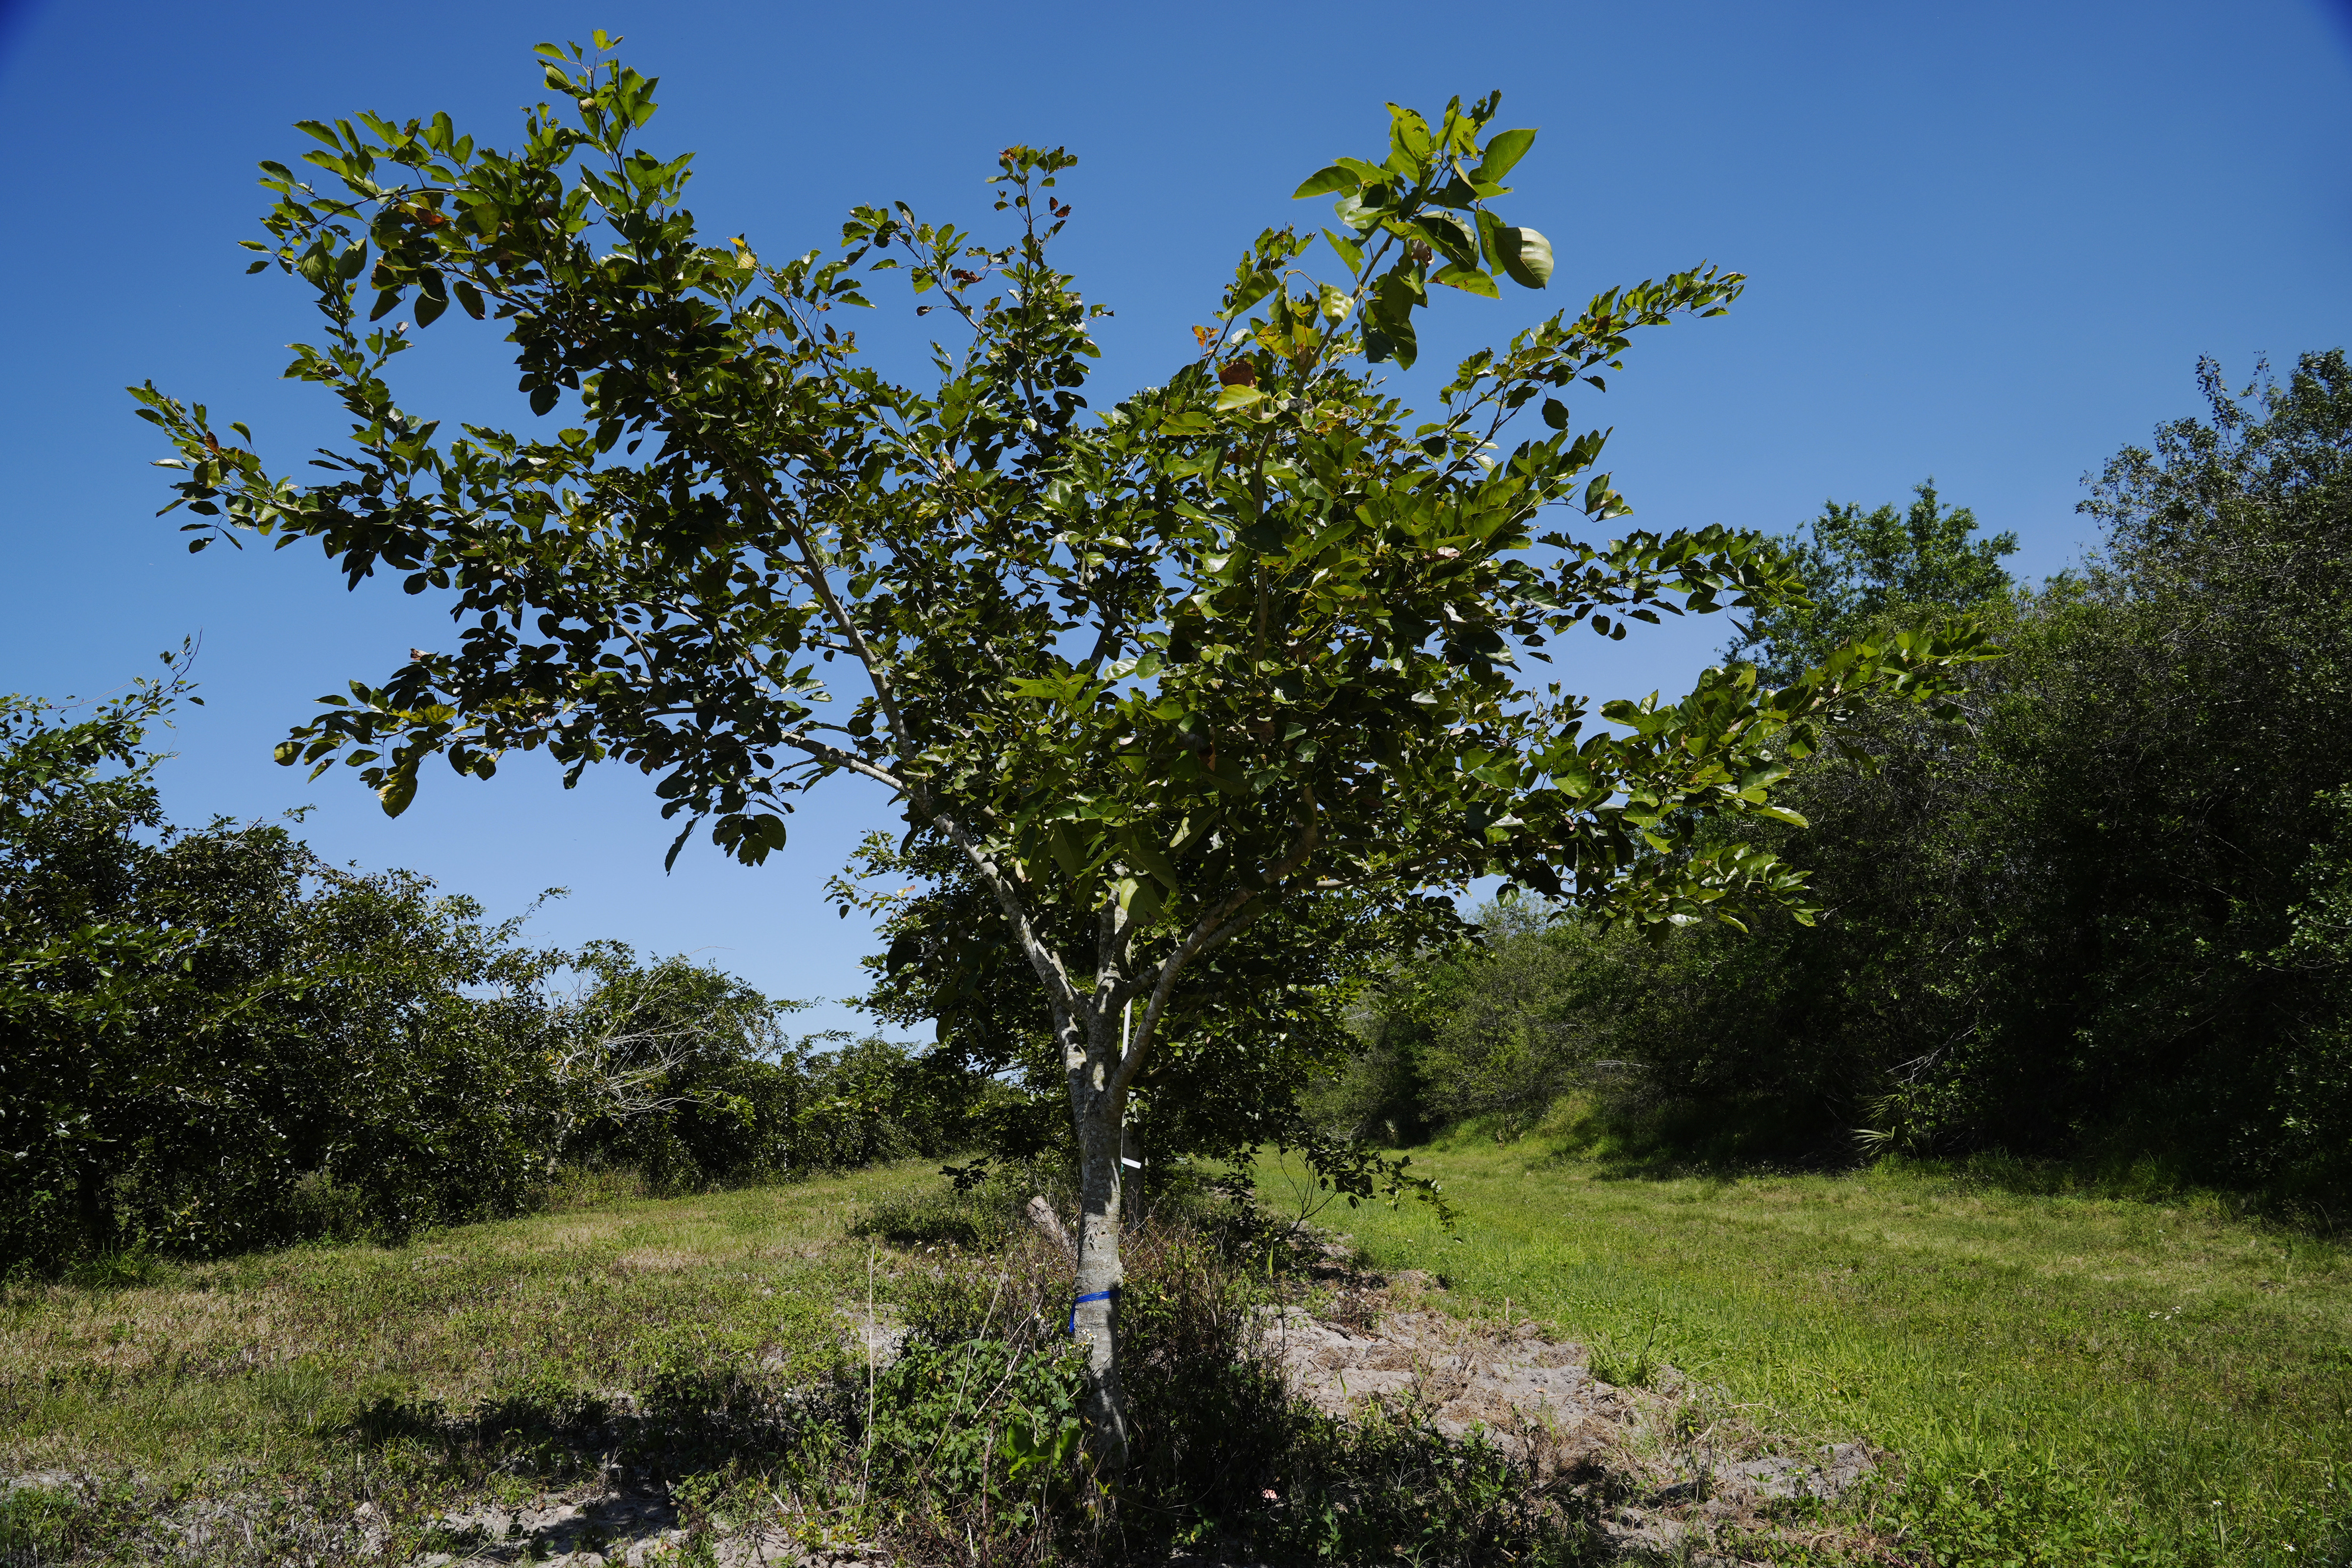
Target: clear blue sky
{"points": [[1986, 242]]}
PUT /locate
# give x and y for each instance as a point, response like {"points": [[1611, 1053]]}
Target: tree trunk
{"points": [[1097, 1109]]}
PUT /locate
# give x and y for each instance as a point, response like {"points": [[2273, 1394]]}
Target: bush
{"points": [[974, 1446], [212, 1039]]}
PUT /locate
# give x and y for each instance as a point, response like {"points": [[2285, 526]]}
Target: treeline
{"points": [[2103, 913], [212, 1039]]}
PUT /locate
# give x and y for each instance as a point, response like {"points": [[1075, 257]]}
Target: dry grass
{"points": [[274, 1355]]}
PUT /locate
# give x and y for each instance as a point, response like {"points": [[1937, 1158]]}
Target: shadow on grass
{"points": [[686, 1425]]}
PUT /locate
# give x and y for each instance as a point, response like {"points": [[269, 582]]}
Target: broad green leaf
{"points": [[1248, 292], [1504, 149], [1469, 280], [1324, 181], [1408, 134], [1238, 396], [1525, 256], [1450, 236], [397, 790]]}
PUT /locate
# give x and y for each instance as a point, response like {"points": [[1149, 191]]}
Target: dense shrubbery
{"points": [[211, 1039], [2108, 914]]}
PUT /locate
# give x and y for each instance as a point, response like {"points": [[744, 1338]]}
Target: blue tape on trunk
{"points": [[1095, 1296]]}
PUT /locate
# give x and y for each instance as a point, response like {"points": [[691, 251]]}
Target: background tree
{"points": [[2104, 920], [1863, 571], [211, 1039], [1254, 633]]}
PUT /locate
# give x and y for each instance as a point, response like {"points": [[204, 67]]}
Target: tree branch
{"points": [[1210, 930]]}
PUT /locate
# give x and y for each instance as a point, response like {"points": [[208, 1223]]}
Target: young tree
{"points": [[1252, 633]]}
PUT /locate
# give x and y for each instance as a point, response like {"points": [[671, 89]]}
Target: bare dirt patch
{"points": [[1671, 1464]]}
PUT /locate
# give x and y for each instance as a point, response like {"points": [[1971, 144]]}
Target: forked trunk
{"points": [[1096, 1108]]}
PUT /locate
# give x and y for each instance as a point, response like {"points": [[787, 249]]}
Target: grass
{"points": [[267, 1361], [2062, 1378], [2057, 1377]]}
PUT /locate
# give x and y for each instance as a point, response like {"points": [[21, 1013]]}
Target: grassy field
{"points": [[2063, 1379], [2056, 1379], [263, 1365]]}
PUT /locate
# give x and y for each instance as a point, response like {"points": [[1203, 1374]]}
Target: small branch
{"points": [[1211, 928]]}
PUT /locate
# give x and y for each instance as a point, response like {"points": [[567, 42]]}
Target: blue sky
{"points": [[1986, 243]]}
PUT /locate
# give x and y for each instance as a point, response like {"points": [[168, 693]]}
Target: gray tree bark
{"points": [[1098, 1104]]}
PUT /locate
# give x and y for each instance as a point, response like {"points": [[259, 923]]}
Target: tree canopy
{"points": [[1864, 570], [1256, 633]]}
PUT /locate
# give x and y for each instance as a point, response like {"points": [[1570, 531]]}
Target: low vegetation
{"points": [[2063, 1373], [2047, 1376], [760, 1365]]}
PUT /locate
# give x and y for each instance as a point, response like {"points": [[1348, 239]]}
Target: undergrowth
{"points": [[963, 1447]]}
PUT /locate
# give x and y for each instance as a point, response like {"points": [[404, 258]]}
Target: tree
{"points": [[1251, 634], [1862, 569], [1247, 1024], [209, 1038], [2106, 919]]}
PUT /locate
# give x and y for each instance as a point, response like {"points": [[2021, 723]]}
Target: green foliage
{"points": [[1274, 565], [1246, 1023], [211, 1034], [2104, 919], [1864, 571], [213, 1041], [1252, 637]]}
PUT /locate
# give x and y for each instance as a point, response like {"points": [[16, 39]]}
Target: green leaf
{"points": [[1525, 256], [1248, 292], [1408, 134], [1469, 280], [1323, 181], [1147, 856], [1450, 235], [1504, 149], [397, 790], [1238, 398], [1348, 249]]}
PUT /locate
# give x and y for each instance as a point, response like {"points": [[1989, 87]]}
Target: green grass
{"points": [[264, 1363], [2061, 1379], [2057, 1378]]}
